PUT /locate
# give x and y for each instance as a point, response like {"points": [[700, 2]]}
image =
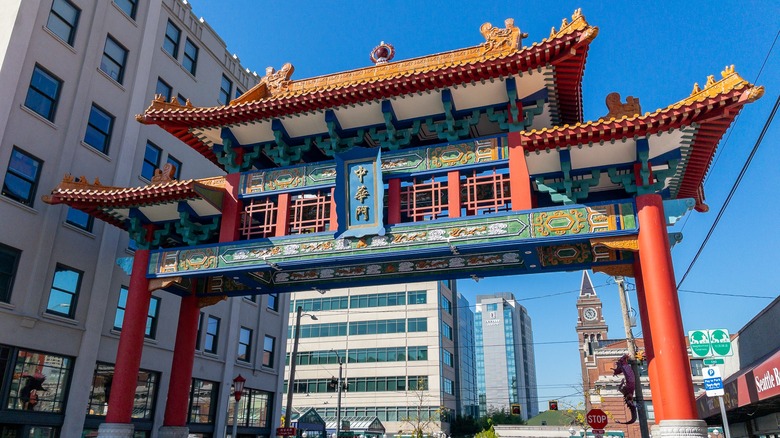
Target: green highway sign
{"points": [[717, 361], [710, 343]]}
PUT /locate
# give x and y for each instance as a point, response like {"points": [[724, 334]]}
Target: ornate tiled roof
{"points": [[110, 203], [501, 55], [712, 109]]}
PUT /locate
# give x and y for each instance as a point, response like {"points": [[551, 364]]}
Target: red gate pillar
{"points": [[647, 334], [128, 357], [519, 178], [663, 311], [175, 421]]}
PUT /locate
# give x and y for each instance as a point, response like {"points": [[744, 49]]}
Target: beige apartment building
{"points": [[399, 345], [73, 74]]}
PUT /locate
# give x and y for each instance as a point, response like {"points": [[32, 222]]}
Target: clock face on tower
{"points": [[589, 314]]}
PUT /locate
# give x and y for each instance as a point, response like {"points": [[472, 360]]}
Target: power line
{"points": [[732, 191], [744, 168], [726, 295]]}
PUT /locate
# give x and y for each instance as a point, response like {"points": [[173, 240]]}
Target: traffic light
{"points": [[515, 409], [553, 405]]}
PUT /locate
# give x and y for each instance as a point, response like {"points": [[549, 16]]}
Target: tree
{"points": [[421, 420], [464, 427], [499, 416]]}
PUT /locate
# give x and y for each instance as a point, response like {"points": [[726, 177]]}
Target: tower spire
{"points": [[586, 288]]}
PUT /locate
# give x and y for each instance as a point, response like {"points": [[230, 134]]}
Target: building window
{"points": [[377, 300], [446, 357], [99, 128], [39, 382], [273, 302], [446, 305], [245, 345], [79, 219], [21, 179], [238, 94], [417, 325], [43, 94], [380, 327], [418, 353], [446, 330], [418, 383], [63, 20], [145, 391], [114, 60], [696, 367], [151, 317], [203, 402], [129, 7], [321, 330], [64, 291], [181, 99], [164, 90], [269, 344], [212, 335], [171, 41], [449, 387], [9, 263], [151, 160], [418, 297], [176, 166], [254, 409], [224, 90], [190, 61]]}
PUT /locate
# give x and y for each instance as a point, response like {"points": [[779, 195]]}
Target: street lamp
{"points": [[238, 391], [293, 360], [338, 394]]}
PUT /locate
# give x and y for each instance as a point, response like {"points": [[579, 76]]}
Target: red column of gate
{"points": [[647, 334], [663, 311], [187, 330], [519, 178], [453, 193], [131, 342]]}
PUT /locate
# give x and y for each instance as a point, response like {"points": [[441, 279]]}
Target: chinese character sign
{"points": [[359, 193]]}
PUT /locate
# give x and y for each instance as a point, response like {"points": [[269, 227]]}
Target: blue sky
{"points": [[654, 51]]}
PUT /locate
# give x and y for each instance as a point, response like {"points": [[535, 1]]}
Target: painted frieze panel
{"points": [[576, 254], [401, 162], [452, 265], [520, 228]]}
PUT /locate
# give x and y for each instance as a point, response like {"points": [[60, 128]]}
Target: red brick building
{"points": [[598, 355]]}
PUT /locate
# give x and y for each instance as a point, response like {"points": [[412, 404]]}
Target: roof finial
{"points": [[382, 53]]}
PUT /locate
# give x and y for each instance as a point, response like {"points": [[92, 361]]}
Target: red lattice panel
{"points": [[310, 213], [423, 201], [259, 219], [487, 193]]}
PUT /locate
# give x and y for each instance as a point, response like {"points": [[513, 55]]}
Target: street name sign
{"points": [[285, 431], [716, 361], [713, 383]]}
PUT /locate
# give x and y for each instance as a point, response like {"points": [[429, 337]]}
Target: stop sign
{"points": [[597, 419]]}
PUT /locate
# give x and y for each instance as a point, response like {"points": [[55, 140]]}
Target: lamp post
{"points": [[338, 394], [238, 391], [293, 360]]}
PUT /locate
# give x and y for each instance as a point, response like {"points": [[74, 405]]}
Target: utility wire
{"points": [[732, 191]]}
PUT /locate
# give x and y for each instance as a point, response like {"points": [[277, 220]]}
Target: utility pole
{"points": [[639, 398]]}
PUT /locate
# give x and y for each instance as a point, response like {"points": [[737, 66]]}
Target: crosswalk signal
{"points": [[553, 405], [515, 409]]}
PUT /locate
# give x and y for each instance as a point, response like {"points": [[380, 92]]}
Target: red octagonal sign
{"points": [[597, 419]]}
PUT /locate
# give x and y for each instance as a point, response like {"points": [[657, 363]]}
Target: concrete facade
{"points": [[37, 238], [506, 368], [371, 356]]}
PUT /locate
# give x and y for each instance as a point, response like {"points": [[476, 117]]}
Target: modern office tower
{"points": [[401, 349], [465, 360], [506, 370], [73, 75]]}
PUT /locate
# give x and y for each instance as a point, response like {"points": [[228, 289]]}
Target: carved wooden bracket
{"points": [[616, 270], [629, 243], [210, 300], [162, 283]]}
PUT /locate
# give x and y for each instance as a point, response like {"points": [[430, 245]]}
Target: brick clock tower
{"points": [[591, 329]]}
